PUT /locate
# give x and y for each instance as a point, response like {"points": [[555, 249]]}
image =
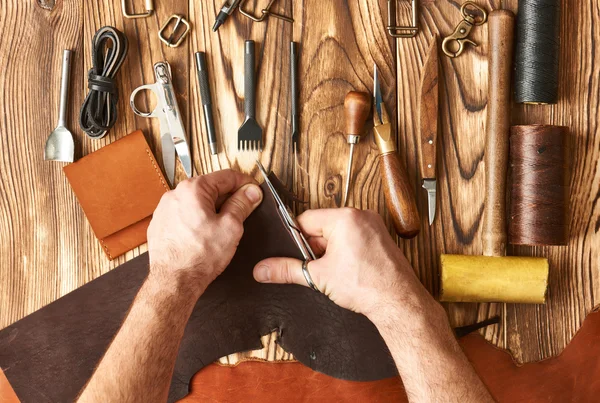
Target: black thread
{"points": [[99, 110], [537, 51]]}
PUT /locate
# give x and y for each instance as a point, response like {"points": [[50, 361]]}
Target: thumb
{"points": [[283, 270], [242, 202]]}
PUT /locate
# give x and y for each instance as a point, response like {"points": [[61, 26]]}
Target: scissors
{"points": [[172, 132], [288, 218]]}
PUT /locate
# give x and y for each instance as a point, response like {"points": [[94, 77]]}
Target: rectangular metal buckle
{"points": [[402, 31], [149, 10], [265, 13], [169, 41]]}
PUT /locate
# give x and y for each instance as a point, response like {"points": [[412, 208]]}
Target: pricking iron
{"points": [[172, 132]]}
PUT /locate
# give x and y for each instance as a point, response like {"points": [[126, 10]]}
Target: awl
{"points": [[399, 194], [428, 117]]}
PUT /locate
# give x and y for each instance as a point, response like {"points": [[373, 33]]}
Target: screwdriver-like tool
{"points": [[226, 10], [399, 194], [357, 106]]}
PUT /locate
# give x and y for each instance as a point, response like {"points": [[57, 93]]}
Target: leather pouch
{"points": [[118, 187]]}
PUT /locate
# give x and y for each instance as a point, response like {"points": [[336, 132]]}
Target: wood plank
{"points": [[43, 258]]}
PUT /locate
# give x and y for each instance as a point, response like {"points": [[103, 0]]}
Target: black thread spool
{"points": [[537, 52], [540, 185]]}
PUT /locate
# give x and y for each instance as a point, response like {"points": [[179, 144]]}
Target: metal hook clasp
{"points": [[462, 30], [265, 13]]}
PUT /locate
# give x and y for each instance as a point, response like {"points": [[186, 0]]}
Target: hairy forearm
{"points": [[139, 363], [429, 360]]}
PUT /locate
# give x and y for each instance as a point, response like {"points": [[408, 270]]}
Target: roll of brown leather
{"points": [[539, 207]]}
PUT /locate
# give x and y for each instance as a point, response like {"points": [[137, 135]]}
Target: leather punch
{"points": [[172, 132]]}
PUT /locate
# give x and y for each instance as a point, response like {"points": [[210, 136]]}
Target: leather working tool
{"points": [[59, 145], [357, 106], [265, 12], [295, 114], [173, 40], [202, 73], [99, 110], [249, 133], [397, 31], [226, 10], [462, 30], [172, 132], [399, 194], [288, 219], [494, 277], [149, 10], [428, 119]]}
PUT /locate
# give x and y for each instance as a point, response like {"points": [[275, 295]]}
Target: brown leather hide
{"points": [[573, 376], [49, 355]]}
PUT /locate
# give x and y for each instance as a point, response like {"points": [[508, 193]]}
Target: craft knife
{"points": [[428, 118]]}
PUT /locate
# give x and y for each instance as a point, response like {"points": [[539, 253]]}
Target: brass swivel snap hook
{"points": [[462, 30]]}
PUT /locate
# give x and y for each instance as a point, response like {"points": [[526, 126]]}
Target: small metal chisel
{"points": [[202, 73], [428, 117]]}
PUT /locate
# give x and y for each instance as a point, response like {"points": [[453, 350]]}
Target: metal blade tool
{"points": [[250, 133], [295, 114], [399, 194], [172, 131], [428, 117]]}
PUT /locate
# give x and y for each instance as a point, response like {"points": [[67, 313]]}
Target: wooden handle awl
{"points": [[399, 195]]}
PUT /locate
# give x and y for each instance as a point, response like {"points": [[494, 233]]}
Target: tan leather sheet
{"points": [[573, 376]]}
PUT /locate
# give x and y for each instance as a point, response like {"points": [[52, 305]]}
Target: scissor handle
{"points": [[149, 87]]}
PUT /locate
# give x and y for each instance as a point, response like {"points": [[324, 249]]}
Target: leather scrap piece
{"points": [[49, 355]]}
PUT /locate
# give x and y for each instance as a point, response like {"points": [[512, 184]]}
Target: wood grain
{"points": [[47, 247]]}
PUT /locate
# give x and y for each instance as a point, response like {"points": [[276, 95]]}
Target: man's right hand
{"points": [[360, 268]]}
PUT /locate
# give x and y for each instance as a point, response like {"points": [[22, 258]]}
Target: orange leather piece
{"points": [[118, 187], [7, 394], [573, 376], [280, 381]]}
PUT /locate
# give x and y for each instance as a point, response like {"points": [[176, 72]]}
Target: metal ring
{"points": [[307, 276]]}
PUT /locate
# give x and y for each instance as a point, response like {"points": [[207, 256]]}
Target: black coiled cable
{"points": [[537, 51], [99, 110]]}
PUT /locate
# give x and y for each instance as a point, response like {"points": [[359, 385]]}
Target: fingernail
{"points": [[261, 274], [253, 193]]}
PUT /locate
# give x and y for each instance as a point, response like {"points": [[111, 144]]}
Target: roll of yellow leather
{"points": [[493, 279]]}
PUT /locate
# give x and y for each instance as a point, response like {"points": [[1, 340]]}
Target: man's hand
{"points": [[361, 267], [197, 227]]}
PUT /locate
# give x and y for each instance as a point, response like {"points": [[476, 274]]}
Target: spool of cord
{"points": [[537, 52], [99, 110], [540, 185]]}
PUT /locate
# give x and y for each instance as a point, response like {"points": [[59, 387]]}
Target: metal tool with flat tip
{"points": [[226, 10], [428, 118], [250, 133], [202, 72], [399, 194], [294, 103], [357, 106], [172, 131], [60, 146]]}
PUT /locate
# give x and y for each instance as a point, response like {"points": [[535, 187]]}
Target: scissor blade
{"points": [[168, 155], [377, 98]]}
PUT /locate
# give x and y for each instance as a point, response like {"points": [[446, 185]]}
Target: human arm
{"points": [[192, 237], [362, 269]]}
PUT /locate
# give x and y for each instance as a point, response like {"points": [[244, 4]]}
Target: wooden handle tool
{"points": [[399, 193], [428, 119], [501, 24], [357, 106]]}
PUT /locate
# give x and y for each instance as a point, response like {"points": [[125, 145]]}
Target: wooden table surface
{"points": [[47, 247]]}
